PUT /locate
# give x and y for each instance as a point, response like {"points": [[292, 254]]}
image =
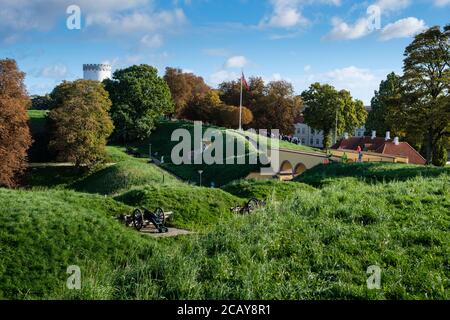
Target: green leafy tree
{"points": [[325, 106], [426, 87], [139, 97], [80, 122], [384, 115]]}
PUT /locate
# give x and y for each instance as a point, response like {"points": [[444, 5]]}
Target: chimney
{"points": [[388, 136], [346, 136], [396, 141], [374, 135]]}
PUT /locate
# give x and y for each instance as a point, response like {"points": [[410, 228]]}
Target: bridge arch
{"points": [[300, 168]]}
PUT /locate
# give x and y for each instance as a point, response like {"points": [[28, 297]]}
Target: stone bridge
{"points": [[293, 163]]}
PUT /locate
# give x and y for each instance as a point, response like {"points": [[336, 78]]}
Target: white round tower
{"points": [[97, 72]]}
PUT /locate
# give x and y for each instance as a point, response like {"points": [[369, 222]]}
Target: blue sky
{"points": [[301, 41]]}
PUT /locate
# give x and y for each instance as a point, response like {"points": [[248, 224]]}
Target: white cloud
{"points": [[114, 17], [364, 26], [221, 76], [360, 82], [236, 62], [287, 13], [343, 31], [152, 41], [136, 22], [403, 28], [307, 68], [442, 3]]}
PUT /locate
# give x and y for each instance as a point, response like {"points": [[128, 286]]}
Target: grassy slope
{"points": [[42, 233], [369, 172], [285, 144], [272, 189], [194, 208], [218, 174], [313, 246]]}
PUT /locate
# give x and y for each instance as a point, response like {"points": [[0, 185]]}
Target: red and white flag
{"points": [[244, 82]]}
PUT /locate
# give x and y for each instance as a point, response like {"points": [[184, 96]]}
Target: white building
{"points": [[314, 138], [97, 72]]}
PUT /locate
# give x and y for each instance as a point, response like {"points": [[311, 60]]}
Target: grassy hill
{"points": [[369, 172], [271, 189], [194, 208], [308, 244], [313, 245], [218, 174], [43, 232]]}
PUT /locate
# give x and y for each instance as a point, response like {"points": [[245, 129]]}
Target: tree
{"points": [[15, 138], [273, 106], [384, 114], [426, 85], [81, 123], [277, 108], [40, 102], [184, 87], [139, 97], [325, 106]]}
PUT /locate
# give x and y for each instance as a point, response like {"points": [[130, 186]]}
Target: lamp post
{"points": [[200, 173]]}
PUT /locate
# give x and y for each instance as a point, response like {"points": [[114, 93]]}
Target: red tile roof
{"points": [[380, 145]]}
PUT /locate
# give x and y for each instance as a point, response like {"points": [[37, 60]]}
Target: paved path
{"points": [[173, 232]]}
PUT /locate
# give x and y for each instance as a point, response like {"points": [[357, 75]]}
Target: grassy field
{"points": [[265, 190], [369, 172], [313, 245], [314, 240]]}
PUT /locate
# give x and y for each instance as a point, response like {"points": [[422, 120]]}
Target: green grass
{"points": [[217, 174], [307, 244], [369, 172], [123, 176], [194, 208], [284, 144], [313, 245], [43, 232], [271, 189]]}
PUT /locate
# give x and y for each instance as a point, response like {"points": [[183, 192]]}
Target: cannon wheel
{"points": [[252, 205], [160, 214], [138, 220]]}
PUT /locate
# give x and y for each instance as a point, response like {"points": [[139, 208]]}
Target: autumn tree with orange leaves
{"points": [[80, 122], [15, 138]]}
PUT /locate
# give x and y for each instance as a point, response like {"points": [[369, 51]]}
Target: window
{"points": [[311, 142], [303, 131], [303, 141], [317, 142]]}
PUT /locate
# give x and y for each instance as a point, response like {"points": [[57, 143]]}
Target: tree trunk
{"points": [[429, 147], [327, 140]]}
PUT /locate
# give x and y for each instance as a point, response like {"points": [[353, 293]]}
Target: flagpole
{"points": [[240, 105]]}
